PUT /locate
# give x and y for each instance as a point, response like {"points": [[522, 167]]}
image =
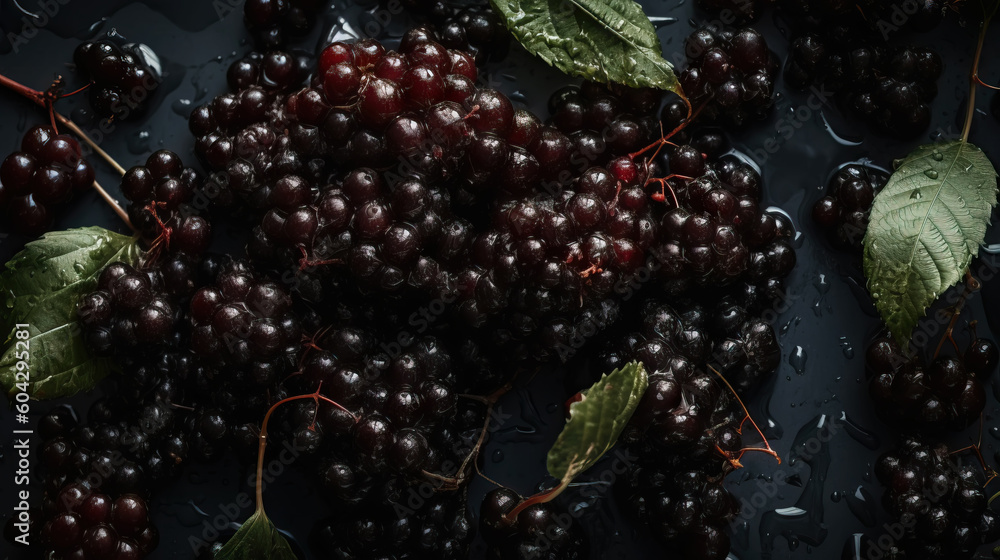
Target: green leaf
{"points": [[926, 225], [596, 421], [601, 40], [256, 539], [40, 288]]}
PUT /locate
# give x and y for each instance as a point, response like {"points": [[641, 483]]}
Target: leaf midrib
{"points": [[937, 195], [639, 48]]}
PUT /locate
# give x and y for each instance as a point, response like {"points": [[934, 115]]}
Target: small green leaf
{"points": [[601, 40], [926, 225], [596, 421], [256, 539], [40, 288]]}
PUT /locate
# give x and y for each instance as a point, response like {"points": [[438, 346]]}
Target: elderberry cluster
{"points": [[843, 212], [244, 328], [686, 509], [273, 22], [98, 476], [605, 123], [947, 393], [940, 505], [538, 531], [685, 338], [731, 72], [121, 78], [890, 88], [684, 410], [441, 527], [474, 27], [46, 173], [715, 233], [159, 193], [129, 312]]}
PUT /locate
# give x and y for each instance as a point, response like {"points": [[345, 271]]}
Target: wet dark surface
{"points": [[816, 412]]}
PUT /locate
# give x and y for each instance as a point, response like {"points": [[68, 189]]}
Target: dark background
{"points": [[826, 325]]}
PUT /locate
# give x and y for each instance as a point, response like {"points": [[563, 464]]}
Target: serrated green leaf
{"points": [[596, 421], [601, 40], [256, 539], [40, 288], [926, 225]]}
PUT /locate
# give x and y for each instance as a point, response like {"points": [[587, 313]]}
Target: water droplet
{"points": [[822, 286], [79, 267], [497, 456], [862, 505], [138, 142], [995, 432], [915, 195], [794, 321], [858, 547], [931, 174], [835, 497], [519, 97], [937, 155], [846, 348], [660, 21], [182, 107], [858, 433]]}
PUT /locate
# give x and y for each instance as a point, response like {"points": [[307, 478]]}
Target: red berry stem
{"points": [[976, 448], [971, 285], [540, 498], [767, 445], [456, 482], [316, 397], [974, 76], [34, 95], [114, 205], [41, 99]]}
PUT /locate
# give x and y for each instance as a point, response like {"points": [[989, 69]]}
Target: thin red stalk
{"points": [[956, 312], [974, 75], [539, 498], [316, 397], [747, 416], [40, 99]]}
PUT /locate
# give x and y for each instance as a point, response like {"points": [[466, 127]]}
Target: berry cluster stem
{"points": [[539, 498], [44, 101], [767, 445], [971, 285], [316, 397], [974, 76], [456, 482], [40, 99]]}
